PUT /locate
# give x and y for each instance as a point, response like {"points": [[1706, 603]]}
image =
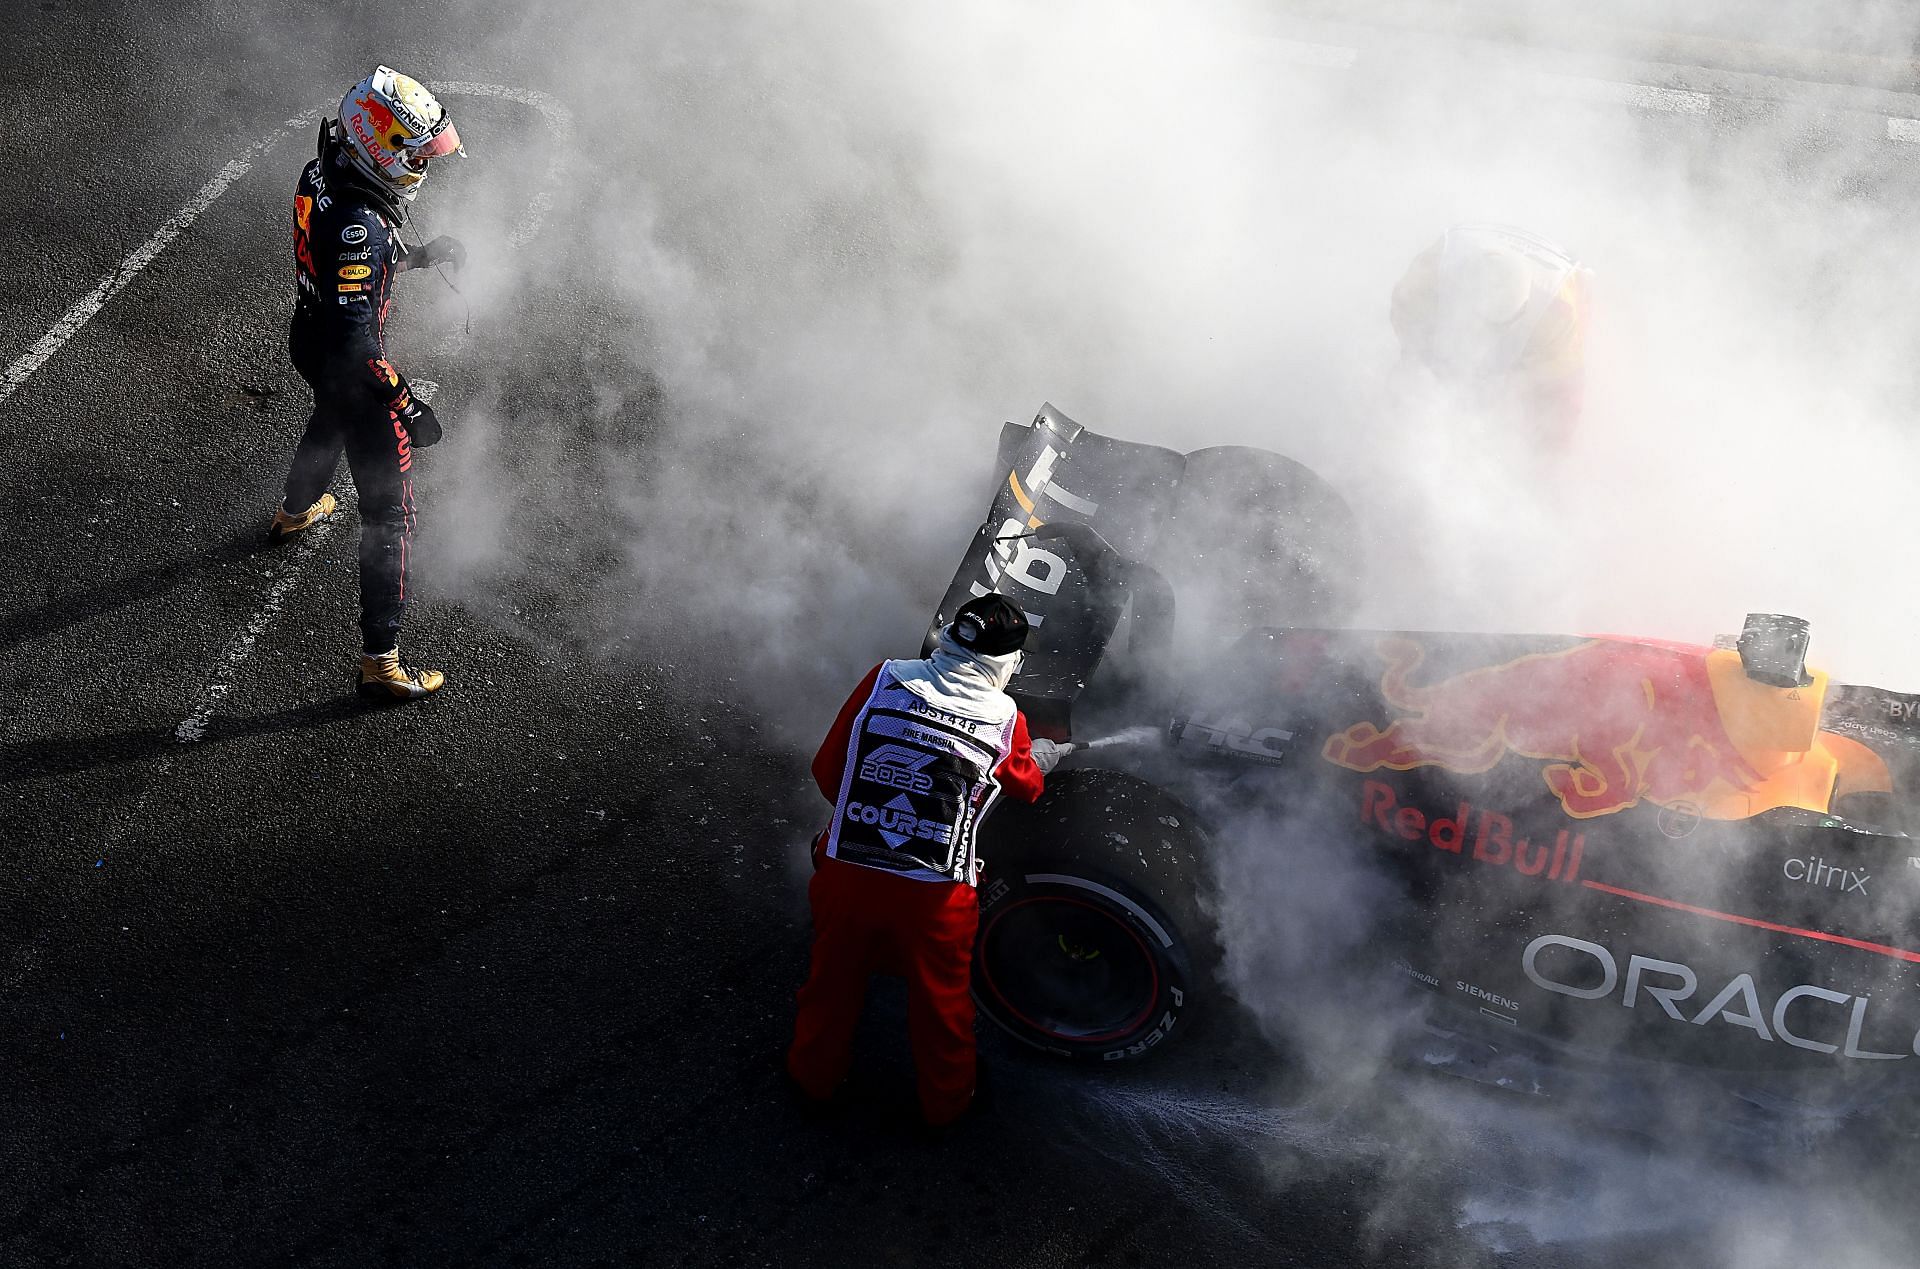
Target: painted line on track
{"points": [[87, 306], [226, 673], [1672, 101], [559, 121], [83, 310], [1636, 96]]}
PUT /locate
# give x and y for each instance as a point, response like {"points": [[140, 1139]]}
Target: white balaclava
{"points": [[951, 660]]}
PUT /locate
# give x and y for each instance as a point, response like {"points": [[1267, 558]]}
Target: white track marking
{"points": [[86, 306], [1635, 96], [1673, 101], [559, 121], [1677, 101], [556, 114], [1340, 57], [226, 674]]}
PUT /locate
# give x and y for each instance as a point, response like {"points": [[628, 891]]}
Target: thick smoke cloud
{"points": [[861, 237], [849, 239]]}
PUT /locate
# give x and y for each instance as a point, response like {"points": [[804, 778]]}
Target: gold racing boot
{"points": [[286, 523], [382, 676]]}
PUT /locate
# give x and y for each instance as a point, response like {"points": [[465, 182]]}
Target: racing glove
{"points": [[445, 249], [1047, 754], [422, 424]]}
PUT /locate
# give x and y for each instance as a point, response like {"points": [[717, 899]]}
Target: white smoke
{"points": [[858, 238], [843, 241]]}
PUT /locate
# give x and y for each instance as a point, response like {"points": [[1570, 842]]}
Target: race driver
{"points": [[1500, 315], [349, 209], [917, 757]]}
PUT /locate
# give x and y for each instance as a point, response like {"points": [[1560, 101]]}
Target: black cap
{"points": [[991, 625]]}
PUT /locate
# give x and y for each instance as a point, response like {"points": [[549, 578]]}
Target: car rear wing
{"points": [[1072, 518], [1084, 529]]}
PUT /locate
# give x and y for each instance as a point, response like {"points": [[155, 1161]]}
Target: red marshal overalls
{"points": [[910, 774]]}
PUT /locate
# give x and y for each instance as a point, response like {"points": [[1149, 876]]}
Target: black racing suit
{"points": [[347, 247]]}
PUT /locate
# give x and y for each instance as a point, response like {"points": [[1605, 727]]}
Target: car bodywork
{"points": [[1623, 845], [1606, 845]]}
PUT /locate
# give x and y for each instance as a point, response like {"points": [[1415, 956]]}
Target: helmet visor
{"points": [[442, 143]]}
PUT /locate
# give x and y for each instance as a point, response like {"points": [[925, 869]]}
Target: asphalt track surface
{"points": [[498, 979]]}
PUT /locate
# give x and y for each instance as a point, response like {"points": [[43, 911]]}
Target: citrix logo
{"points": [[1816, 871]]}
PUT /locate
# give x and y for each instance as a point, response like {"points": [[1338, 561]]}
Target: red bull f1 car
{"points": [[1604, 847]]}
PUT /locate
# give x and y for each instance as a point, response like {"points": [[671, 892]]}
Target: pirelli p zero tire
{"points": [[1092, 943]]}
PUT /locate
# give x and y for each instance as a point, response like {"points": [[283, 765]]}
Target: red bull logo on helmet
{"points": [[381, 118], [382, 134], [1615, 724]]}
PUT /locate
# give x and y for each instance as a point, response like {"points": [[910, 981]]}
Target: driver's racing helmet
{"points": [[391, 127], [1488, 302]]}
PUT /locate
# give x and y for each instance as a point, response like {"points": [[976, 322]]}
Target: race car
{"points": [[1595, 845]]}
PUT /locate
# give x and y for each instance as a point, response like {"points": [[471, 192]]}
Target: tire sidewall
{"points": [[1169, 1014]]}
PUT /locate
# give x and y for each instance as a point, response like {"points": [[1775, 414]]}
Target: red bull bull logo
{"points": [[384, 124], [1615, 724], [378, 132]]}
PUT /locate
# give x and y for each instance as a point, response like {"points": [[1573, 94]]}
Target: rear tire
{"points": [[1260, 540], [1092, 944]]}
